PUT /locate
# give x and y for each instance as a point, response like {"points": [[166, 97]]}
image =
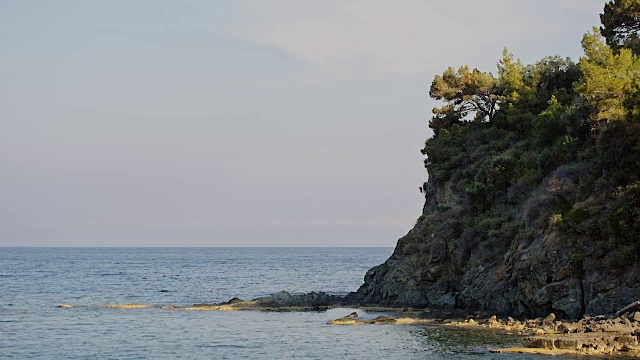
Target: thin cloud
{"points": [[377, 39]]}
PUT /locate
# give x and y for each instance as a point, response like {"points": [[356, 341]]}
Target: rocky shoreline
{"points": [[613, 334], [599, 335]]}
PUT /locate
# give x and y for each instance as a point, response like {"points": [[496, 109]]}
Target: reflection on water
{"points": [[450, 340]]}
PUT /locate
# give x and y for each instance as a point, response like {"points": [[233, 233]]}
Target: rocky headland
{"points": [[532, 204]]}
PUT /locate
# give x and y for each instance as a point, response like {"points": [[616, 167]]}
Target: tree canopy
{"points": [[610, 82], [510, 77], [621, 24], [476, 93], [465, 91]]}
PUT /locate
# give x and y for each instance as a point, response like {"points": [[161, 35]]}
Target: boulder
{"points": [[549, 319]]}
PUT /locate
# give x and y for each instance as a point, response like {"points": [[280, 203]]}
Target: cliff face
{"points": [[431, 267], [509, 229], [533, 199]]}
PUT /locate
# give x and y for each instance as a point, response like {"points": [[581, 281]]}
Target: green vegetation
{"points": [[547, 148], [621, 23]]}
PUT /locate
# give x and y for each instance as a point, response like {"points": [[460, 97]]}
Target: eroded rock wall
{"points": [[433, 266]]}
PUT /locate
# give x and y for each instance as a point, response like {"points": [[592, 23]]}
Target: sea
{"points": [[34, 281]]}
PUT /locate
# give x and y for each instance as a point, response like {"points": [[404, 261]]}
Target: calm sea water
{"points": [[33, 281]]}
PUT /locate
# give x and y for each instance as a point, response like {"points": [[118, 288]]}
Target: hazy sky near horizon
{"points": [[237, 123]]}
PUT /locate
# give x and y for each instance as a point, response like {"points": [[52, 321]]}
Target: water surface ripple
{"points": [[34, 280]]}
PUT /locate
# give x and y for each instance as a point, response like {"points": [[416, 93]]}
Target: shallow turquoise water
{"points": [[34, 280]]}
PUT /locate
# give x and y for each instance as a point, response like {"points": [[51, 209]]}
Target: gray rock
{"points": [[440, 264], [353, 315], [312, 299]]}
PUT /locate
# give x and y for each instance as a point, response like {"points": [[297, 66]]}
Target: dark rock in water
{"points": [[281, 301], [312, 299], [353, 315], [234, 300], [352, 319], [382, 320]]}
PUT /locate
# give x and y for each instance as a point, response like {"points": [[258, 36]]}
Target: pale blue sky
{"points": [[237, 123]]}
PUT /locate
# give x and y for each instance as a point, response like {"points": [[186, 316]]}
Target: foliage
{"points": [[510, 77], [552, 147], [621, 24], [466, 92], [610, 81]]}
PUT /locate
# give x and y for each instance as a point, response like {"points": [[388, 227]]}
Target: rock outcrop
{"points": [[533, 201], [280, 301], [441, 264], [606, 335]]}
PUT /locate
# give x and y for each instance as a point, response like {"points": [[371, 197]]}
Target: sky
{"points": [[238, 123]]}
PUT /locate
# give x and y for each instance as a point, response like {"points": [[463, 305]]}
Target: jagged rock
{"points": [[353, 315], [441, 264], [319, 299], [566, 328], [493, 322], [631, 307], [549, 319], [535, 322], [345, 320], [234, 300]]}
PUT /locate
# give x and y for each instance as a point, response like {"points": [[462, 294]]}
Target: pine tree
{"points": [[621, 24]]}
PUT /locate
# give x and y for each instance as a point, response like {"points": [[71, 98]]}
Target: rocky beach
{"points": [[606, 334]]}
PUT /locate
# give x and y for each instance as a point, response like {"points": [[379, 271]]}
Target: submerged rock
{"points": [[126, 306], [346, 320], [352, 319]]}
